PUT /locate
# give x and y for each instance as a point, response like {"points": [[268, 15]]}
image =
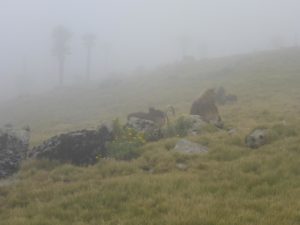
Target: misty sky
{"points": [[134, 33]]}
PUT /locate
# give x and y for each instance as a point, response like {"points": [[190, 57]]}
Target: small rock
{"points": [[257, 138], [188, 147], [232, 131], [140, 125], [181, 166]]}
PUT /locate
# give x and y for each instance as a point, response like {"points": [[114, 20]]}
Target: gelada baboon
{"points": [[206, 108], [155, 115]]}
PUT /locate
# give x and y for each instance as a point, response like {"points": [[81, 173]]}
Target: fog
{"points": [[132, 34]]}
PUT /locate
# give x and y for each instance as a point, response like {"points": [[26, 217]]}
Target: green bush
{"points": [[179, 128], [153, 135], [126, 144]]}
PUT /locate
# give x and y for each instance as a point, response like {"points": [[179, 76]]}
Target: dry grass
{"points": [[230, 185]]}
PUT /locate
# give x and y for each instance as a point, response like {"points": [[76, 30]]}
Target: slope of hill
{"points": [[231, 184], [254, 77]]}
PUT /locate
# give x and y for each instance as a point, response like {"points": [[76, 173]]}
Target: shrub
{"points": [[179, 128], [126, 144], [153, 135]]}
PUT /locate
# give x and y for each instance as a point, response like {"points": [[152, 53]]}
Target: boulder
{"points": [[257, 138], [196, 123], [206, 108], [80, 147], [187, 147], [13, 149]]}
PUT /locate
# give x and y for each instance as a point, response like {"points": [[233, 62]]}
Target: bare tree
{"points": [[89, 43], [61, 38]]}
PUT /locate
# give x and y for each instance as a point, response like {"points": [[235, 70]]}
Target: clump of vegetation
{"points": [[153, 134], [127, 142], [178, 128]]}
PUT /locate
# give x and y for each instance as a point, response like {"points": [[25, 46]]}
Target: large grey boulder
{"points": [[187, 147], [80, 147], [13, 149], [257, 138]]}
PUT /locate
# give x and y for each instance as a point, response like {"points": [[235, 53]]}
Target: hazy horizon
{"points": [[133, 34]]}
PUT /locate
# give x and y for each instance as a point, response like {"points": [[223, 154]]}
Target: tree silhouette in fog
{"points": [[89, 43], [61, 38]]}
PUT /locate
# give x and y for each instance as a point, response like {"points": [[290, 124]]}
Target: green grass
{"points": [[230, 185]]}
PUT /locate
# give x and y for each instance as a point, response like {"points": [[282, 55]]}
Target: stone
{"points": [[187, 147], [181, 166], [140, 125], [232, 131], [257, 138], [196, 122], [13, 149], [79, 147], [157, 116]]}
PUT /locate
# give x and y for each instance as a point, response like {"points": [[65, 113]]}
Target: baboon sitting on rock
{"points": [[206, 108]]}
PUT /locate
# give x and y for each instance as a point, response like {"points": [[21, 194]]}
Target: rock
{"points": [[188, 147], [13, 149], [206, 108], [257, 138], [140, 125], [181, 166], [196, 123], [158, 117], [79, 147], [232, 131]]}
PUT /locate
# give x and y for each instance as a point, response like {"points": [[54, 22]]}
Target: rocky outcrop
{"points": [[206, 108], [13, 149], [187, 147], [257, 138], [79, 147]]}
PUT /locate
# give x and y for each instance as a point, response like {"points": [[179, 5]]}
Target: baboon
{"points": [[222, 98], [206, 108], [231, 98], [155, 115]]}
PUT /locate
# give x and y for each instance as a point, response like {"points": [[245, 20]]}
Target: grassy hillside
{"points": [[257, 78], [229, 185]]}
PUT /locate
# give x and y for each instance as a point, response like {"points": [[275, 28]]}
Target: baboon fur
{"points": [[206, 108]]}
